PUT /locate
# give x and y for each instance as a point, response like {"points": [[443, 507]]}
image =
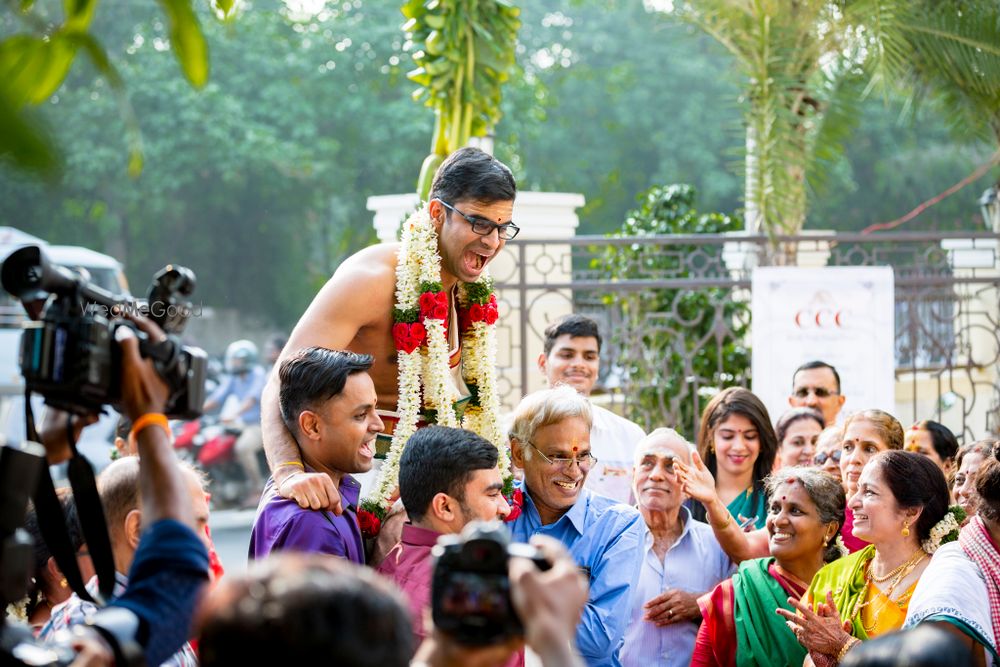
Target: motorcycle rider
{"points": [[244, 381]]}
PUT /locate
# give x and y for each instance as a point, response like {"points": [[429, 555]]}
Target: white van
{"points": [[100, 269]]}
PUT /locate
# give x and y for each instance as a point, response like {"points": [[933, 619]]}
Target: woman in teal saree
{"points": [[738, 445], [740, 625]]}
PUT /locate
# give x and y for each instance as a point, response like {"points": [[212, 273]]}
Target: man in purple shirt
{"points": [[328, 403], [447, 478]]}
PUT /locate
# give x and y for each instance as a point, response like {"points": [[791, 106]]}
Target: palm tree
{"points": [[808, 63]]}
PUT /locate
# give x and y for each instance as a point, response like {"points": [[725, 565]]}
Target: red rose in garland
{"points": [[369, 524], [408, 336], [426, 302], [515, 502]]}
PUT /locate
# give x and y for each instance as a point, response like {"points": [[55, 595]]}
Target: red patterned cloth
{"points": [[976, 542]]}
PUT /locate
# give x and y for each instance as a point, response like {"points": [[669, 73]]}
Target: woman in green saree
{"points": [[901, 508], [740, 626], [738, 445]]}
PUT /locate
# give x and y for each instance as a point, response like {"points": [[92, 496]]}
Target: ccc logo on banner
{"points": [[821, 318]]}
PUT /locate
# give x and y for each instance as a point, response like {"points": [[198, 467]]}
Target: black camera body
{"points": [[470, 590], [20, 467], [69, 354]]}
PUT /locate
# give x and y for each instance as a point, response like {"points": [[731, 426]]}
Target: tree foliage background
{"points": [[258, 181]]}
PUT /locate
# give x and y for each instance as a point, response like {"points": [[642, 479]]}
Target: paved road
{"points": [[231, 533]]}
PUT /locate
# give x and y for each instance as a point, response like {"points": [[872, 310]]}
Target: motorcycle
{"points": [[210, 444]]}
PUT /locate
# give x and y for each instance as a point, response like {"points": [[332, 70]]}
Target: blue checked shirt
{"points": [[75, 611]]}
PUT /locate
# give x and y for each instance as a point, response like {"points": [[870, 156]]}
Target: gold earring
{"points": [[906, 529], [826, 541], [63, 583]]}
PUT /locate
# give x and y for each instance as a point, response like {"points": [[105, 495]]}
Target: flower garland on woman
{"points": [[420, 333]]}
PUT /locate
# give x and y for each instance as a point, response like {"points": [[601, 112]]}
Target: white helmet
{"points": [[241, 356]]}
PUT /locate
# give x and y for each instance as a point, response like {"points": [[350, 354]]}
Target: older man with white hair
{"points": [[550, 441], [680, 558]]}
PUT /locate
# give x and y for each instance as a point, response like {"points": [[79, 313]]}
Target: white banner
{"points": [[843, 316]]}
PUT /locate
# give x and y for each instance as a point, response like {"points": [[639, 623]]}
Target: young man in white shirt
{"points": [[572, 356]]}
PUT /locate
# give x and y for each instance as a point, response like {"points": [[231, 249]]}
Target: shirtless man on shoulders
{"points": [[470, 204]]}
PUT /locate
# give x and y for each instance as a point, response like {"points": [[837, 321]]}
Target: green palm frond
{"points": [[808, 65]]}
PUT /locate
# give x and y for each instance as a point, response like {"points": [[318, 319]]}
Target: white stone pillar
{"points": [[390, 212]]}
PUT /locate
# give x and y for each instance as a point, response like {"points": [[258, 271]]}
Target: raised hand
{"points": [[696, 480]]}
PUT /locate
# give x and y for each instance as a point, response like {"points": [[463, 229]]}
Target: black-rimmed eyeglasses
{"points": [[507, 230]]}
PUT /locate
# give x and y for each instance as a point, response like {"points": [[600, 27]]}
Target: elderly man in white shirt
{"points": [[681, 559], [572, 356]]}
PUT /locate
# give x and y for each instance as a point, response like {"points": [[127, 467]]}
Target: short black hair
{"points": [[290, 608], [988, 484], [438, 459], [573, 325], [472, 174], [811, 365], [314, 375]]}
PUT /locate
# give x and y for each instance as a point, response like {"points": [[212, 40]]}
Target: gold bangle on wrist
{"points": [[848, 645], [724, 524]]}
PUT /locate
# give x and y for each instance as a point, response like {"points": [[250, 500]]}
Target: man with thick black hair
{"points": [[328, 403], [447, 478], [816, 385]]}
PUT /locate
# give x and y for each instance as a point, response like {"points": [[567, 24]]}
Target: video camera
{"points": [[70, 356], [470, 590]]}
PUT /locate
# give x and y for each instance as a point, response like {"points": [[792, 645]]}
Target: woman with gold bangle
{"points": [[739, 626], [901, 508]]}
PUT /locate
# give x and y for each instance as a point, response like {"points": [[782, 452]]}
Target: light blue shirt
{"points": [[602, 536], [695, 563], [247, 385]]}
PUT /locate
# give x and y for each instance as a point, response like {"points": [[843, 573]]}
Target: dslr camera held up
{"points": [[69, 354], [470, 591]]}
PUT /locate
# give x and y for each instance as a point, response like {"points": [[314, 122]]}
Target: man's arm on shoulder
{"points": [[341, 309], [614, 566]]}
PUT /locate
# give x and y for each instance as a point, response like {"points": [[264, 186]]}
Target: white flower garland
{"points": [[943, 528], [479, 351], [841, 547], [425, 370]]}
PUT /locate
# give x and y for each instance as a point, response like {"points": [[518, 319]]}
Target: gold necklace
{"points": [[901, 573], [893, 573]]}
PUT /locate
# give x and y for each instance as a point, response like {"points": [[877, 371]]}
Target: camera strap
{"points": [[52, 520], [91, 513]]}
